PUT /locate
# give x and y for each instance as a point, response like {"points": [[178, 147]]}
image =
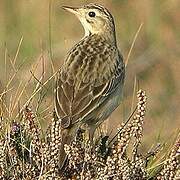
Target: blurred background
{"points": [[35, 36]]}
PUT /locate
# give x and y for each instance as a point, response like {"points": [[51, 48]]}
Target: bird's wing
{"points": [[118, 78], [103, 92], [90, 74], [74, 103]]}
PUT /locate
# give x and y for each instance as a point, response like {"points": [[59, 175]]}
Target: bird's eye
{"points": [[92, 14]]}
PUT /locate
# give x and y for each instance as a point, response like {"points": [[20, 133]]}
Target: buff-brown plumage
{"points": [[89, 83]]}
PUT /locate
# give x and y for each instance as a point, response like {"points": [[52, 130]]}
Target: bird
{"points": [[89, 84]]}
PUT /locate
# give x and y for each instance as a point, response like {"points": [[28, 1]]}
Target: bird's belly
{"points": [[105, 109]]}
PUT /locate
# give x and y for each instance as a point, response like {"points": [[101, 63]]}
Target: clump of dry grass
{"points": [[114, 163], [25, 153], [171, 166]]}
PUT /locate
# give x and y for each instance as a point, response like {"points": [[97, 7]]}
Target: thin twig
{"points": [[35, 92], [18, 49], [123, 126], [134, 92], [133, 43]]}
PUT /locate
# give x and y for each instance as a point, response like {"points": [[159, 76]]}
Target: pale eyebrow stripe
{"points": [[104, 10]]}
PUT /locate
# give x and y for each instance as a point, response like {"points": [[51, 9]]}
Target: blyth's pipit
{"points": [[90, 82]]}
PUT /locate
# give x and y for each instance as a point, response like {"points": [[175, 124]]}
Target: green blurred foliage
{"points": [[154, 59]]}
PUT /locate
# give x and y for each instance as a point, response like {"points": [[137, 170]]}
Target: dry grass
{"points": [[154, 59], [27, 154]]}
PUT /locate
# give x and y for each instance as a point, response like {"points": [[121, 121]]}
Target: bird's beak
{"points": [[73, 10]]}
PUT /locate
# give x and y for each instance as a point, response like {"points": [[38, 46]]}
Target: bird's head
{"points": [[94, 18]]}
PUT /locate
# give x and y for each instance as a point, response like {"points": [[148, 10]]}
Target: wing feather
{"points": [[82, 90]]}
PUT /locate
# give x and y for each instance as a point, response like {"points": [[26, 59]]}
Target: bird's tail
{"points": [[66, 139]]}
